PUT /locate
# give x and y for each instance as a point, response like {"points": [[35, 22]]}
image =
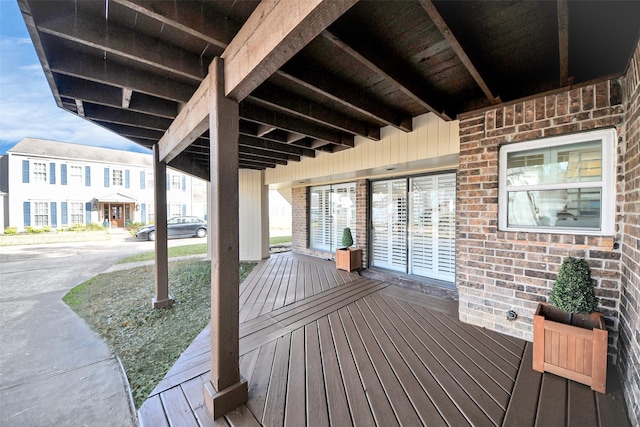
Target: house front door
{"points": [[116, 215]]}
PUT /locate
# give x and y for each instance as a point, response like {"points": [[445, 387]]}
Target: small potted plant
{"points": [[348, 258], [569, 335]]}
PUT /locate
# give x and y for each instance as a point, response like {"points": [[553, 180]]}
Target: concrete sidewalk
{"points": [[54, 370]]}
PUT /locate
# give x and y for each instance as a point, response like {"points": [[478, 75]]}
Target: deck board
{"points": [[324, 347], [295, 407], [337, 397]]}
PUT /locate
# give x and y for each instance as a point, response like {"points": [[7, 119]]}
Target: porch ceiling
{"points": [[129, 66]]}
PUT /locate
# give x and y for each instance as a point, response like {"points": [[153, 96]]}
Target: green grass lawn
{"points": [[117, 306], [279, 239], [176, 251]]}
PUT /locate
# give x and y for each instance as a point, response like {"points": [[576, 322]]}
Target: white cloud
{"points": [[28, 109]]}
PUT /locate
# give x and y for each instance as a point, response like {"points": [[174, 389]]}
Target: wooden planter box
{"points": [[577, 352], [349, 259]]}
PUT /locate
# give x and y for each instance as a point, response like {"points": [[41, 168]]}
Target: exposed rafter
{"points": [[288, 103], [336, 90], [264, 116], [381, 63], [88, 67], [563, 41], [453, 42], [113, 39]]}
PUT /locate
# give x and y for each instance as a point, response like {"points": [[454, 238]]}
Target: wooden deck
{"points": [[324, 347]]}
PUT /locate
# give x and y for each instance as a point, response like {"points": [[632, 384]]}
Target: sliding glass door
{"points": [[333, 207], [413, 225]]}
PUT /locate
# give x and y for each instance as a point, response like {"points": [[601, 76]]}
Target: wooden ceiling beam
{"points": [[215, 30], [129, 118], [563, 41], [376, 59], [245, 162], [252, 141], [126, 97], [87, 67], [113, 39], [263, 116], [268, 154], [101, 94], [79, 107], [277, 99], [260, 159], [131, 131], [334, 89], [273, 34], [444, 29]]}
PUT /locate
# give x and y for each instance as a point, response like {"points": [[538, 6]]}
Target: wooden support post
{"points": [[162, 298], [226, 389]]}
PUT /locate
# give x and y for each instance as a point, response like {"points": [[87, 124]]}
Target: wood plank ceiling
{"points": [[129, 65]]}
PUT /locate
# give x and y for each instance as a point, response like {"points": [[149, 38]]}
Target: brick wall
{"points": [[629, 348], [300, 222], [499, 271]]}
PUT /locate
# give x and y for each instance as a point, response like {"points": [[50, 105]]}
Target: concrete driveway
{"points": [[54, 370]]}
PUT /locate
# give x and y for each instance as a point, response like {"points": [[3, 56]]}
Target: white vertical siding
{"points": [[431, 138], [253, 215]]}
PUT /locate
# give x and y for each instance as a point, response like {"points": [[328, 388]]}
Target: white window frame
{"points": [[39, 172], [76, 213], [176, 182], [117, 178], [607, 183], [40, 214], [149, 179], [76, 178], [175, 209]]}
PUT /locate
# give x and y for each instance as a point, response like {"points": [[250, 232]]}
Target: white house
{"points": [[58, 184]]}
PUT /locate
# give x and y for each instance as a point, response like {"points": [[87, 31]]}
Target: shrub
{"points": [[33, 230], [347, 238], [95, 227], [573, 290], [11, 230]]}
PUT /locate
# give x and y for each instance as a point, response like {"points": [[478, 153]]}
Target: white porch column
{"points": [[226, 390], [162, 298]]}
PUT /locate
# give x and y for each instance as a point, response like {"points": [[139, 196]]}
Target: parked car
{"points": [[179, 226]]}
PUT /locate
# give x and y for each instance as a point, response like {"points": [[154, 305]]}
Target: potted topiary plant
{"points": [[348, 258], [569, 335]]}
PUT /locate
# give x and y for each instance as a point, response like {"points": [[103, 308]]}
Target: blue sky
{"points": [[27, 107]]}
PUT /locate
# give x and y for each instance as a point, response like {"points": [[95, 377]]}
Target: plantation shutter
{"points": [[142, 181], [63, 213], [446, 248], [26, 209], [87, 176], [320, 232], [63, 174], [87, 213], [52, 172], [343, 211], [54, 215], [431, 227], [389, 221], [106, 177], [126, 179], [25, 171], [423, 219]]}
